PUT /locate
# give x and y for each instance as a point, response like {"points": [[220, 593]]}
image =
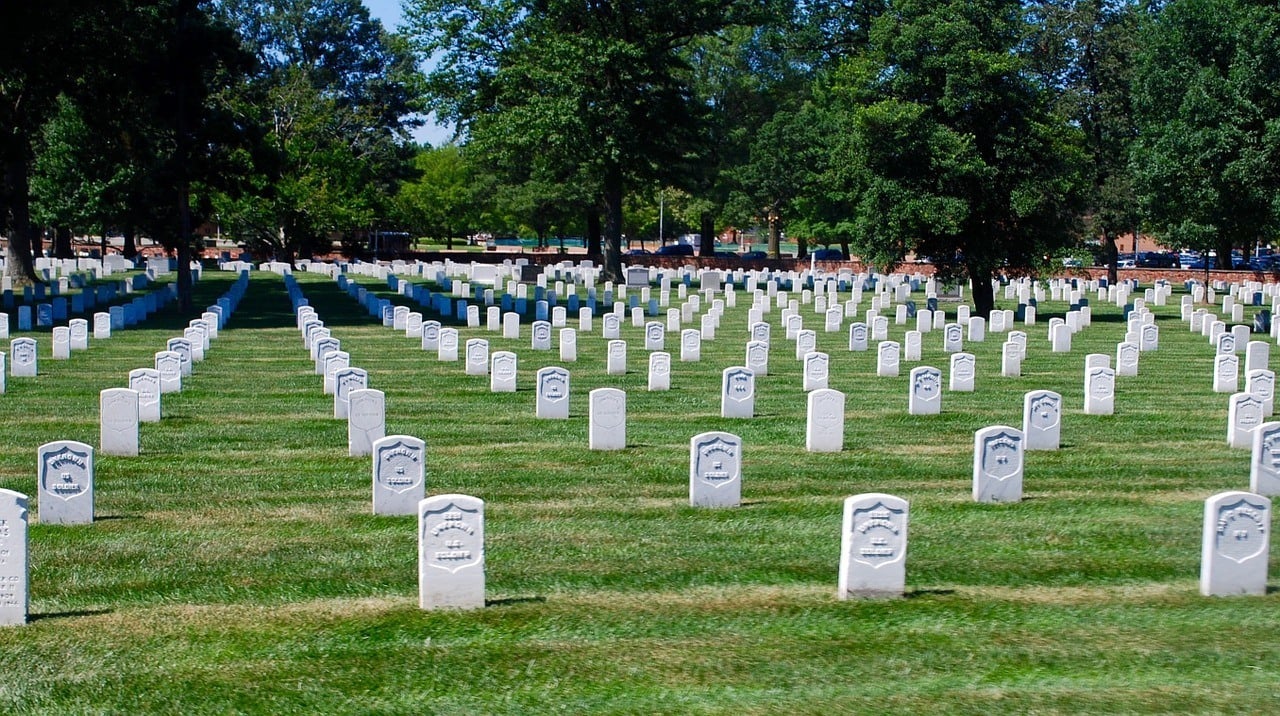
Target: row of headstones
{"points": [[47, 314], [24, 358], [121, 410]]}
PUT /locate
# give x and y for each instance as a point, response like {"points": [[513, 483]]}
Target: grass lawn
{"points": [[235, 566]]}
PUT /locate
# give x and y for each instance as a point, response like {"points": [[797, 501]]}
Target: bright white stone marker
{"points": [[65, 483], [816, 369], [118, 418], [1099, 391], [737, 393], [1262, 383], [607, 419], [1226, 373], [553, 393], [887, 354], [448, 349], [1235, 544], [169, 364], [1042, 420], [502, 377], [477, 357], [824, 430], [963, 370], [924, 395], [569, 345], [1127, 359], [147, 382], [366, 420], [1244, 415], [451, 552], [61, 343], [997, 464], [1264, 468], [873, 546], [616, 358], [715, 470], [399, 474], [22, 358], [14, 595], [758, 357], [659, 371], [344, 381]]}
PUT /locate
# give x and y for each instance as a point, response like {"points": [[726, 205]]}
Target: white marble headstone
{"points": [[997, 464], [873, 546], [715, 470], [824, 431], [1235, 545], [399, 474], [65, 483], [14, 569], [1042, 420], [147, 382], [659, 371], [118, 422], [553, 393], [366, 420], [451, 552], [924, 391], [737, 393], [607, 419]]}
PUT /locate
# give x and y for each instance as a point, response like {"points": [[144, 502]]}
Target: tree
{"points": [[440, 202], [946, 147], [1208, 105], [333, 101], [596, 96]]}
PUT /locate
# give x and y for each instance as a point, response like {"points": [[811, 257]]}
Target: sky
{"points": [[388, 11]]}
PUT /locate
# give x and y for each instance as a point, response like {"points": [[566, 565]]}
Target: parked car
{"points": [[828, 255], [1158, 259], [639, 252], [753, 255], [1125, 263], [675, 250]]}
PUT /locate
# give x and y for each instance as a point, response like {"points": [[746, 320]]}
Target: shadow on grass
{"points": [[917, 593], [511, 601], [68, 615], [107, 518]]}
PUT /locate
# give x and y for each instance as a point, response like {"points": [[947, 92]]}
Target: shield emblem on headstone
{"points": [[478, 352], [1249, 413], [1000, 456], [877, 537], [964, 369], [927, 384], [741, 385], [1044, 412], [399, 467], [1102, 385], [826, 411], [1242, 530], [655, 333], [555, 386], [65, 473], [609, 411], [1271, 451], [718, 461], [504, 366], [1261, 386]]}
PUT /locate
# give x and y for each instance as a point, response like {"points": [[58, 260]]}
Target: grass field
{"points": [[235, 566]]}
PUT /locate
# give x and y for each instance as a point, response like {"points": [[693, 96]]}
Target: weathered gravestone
{"points": [[477, 357], [366, 420], [737, 393], [451, 552], [147, 382], [399, 474], [1226, 378], [569, 345], [65, 483], [607, 419], [344, 381], [690, 346], [659, 371], [997, 464], [448, 350], [1244, 415], [824, 431], [118, 422], [858, 337], [334, 361], [1264, 467], [715, 470], [616, 357], [1262, 383], [14, 566], [169, 365], [1099, 391], [22, 358], [963, 371], [873, 546], [553, 393], [924, 395], [1042, 420], [887, 355], [816, 370], [1235, 544]]}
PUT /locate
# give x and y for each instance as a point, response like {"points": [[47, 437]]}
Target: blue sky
{"points": [[388, 11]]}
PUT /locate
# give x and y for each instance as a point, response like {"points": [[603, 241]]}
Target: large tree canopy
{"points": [[948, 149], [1207, 99]]}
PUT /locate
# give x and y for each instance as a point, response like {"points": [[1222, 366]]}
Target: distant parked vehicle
{"points": [[828, 255], [1125, 263], [753, 255], [675, 250]]}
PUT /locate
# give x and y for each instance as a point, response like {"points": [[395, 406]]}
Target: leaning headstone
{"points": [[22, 358], [451, 552], [1235, 544], [1244, 415], [1099, 391], [873, 546], [1042, 420], [65, 483], [925, 391], [366, 420], [399, 474], [118, 422], [824, 430], [147, 382], [997, 464], [738, 393], [14, 575], [502, 373], [1264, 468], [607, 419], [715, 470], [553, 393]]}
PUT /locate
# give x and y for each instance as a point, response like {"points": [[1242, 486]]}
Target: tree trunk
{"points": [[707, 229], [1113, 256], [1224, 254], [775, 237], [62, 243], [983, 299], [613, 225], [593, 232], [130, 248], [184, 275], [19, 261]]}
